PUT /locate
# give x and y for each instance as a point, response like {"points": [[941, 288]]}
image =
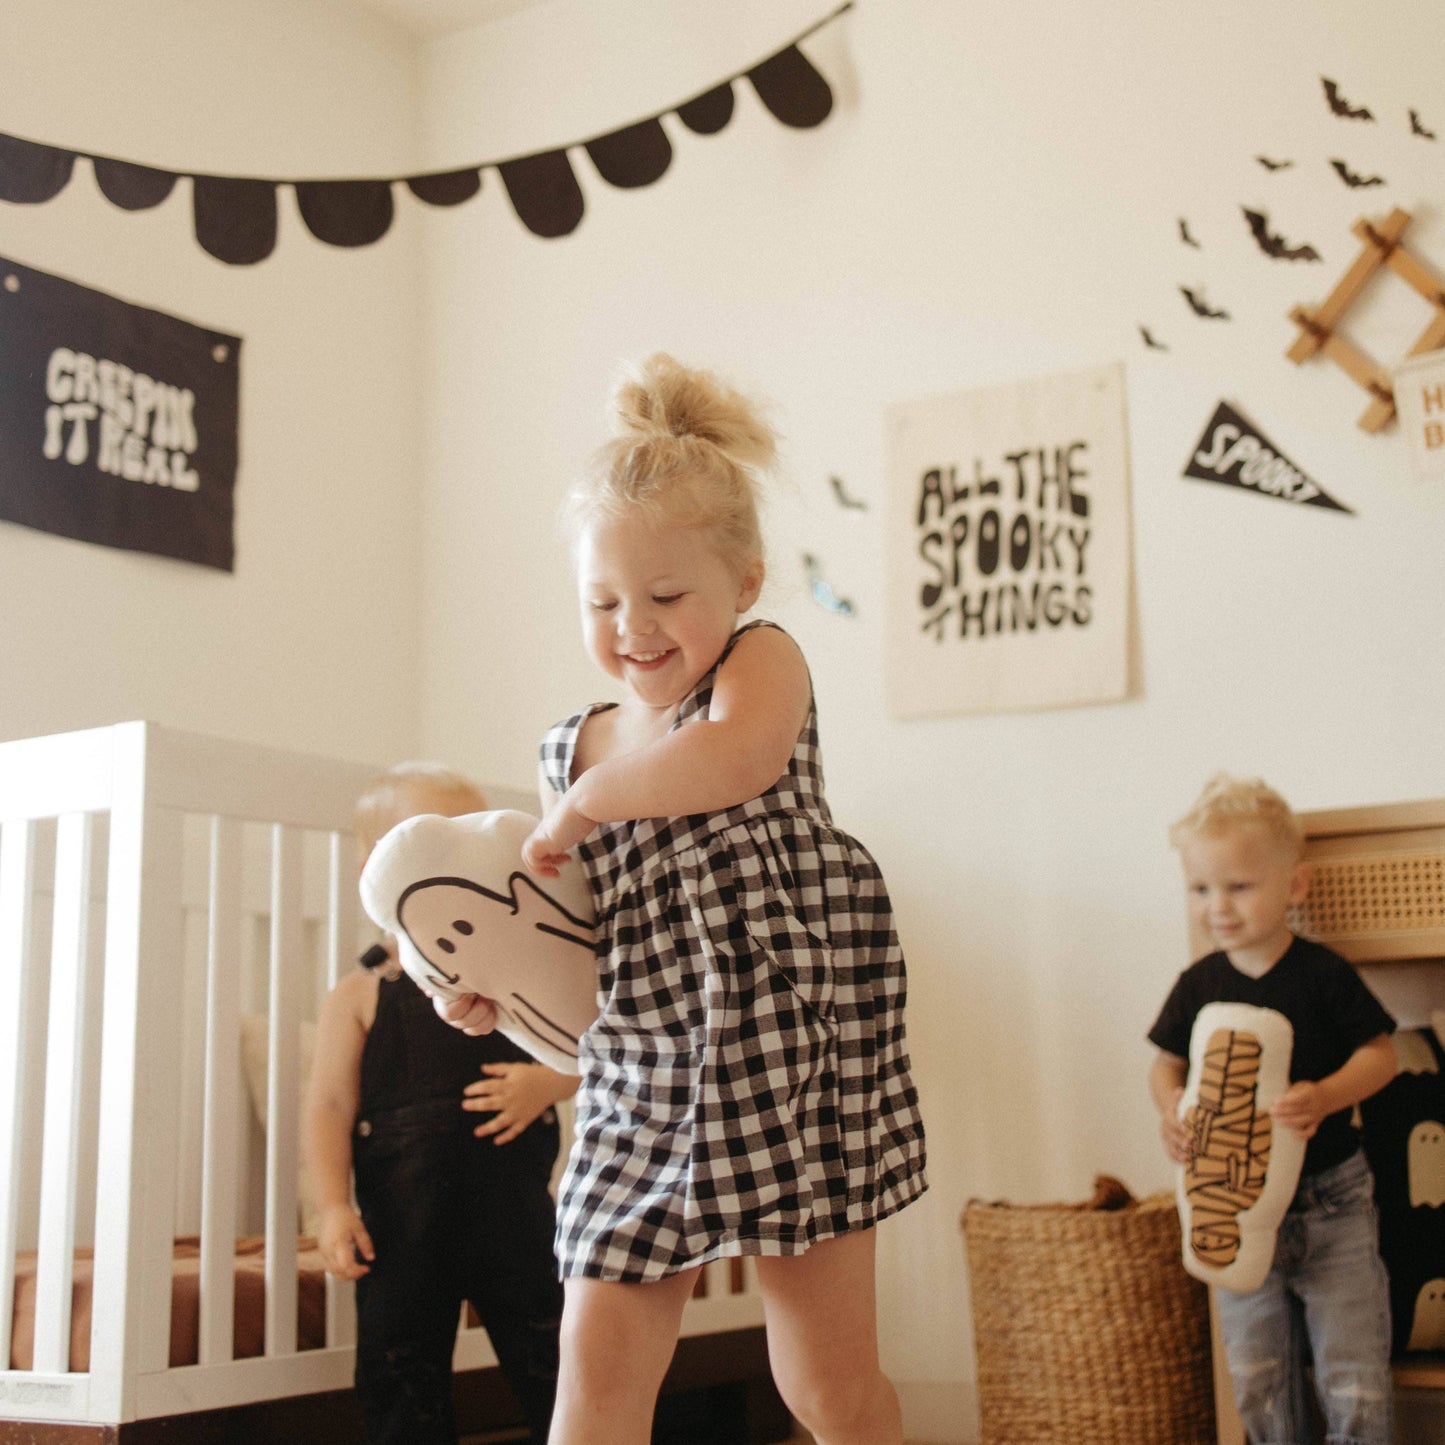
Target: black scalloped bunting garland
{"points": [[449, 188], [544, 193], [132, 187], [236, 216], [346, 213], [31, 173], [708, 113], [792, 89], [635, 156]]}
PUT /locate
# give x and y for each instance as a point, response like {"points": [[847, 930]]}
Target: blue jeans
{"points": [[1326, 1283]]}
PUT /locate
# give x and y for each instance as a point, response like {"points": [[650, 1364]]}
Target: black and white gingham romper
{"points": [[745, 1089]]}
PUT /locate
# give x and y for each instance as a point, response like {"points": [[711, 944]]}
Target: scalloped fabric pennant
{"points": [[346, 213]]}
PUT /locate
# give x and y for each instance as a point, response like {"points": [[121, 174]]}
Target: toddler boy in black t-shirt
{"points": [[1242, 848]]}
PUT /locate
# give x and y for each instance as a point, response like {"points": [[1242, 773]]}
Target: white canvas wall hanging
{"points": [[1420, 398], [1009, 572]]}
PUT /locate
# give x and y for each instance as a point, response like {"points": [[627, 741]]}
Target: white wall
{"points": [[311, 642], [996, 198]]}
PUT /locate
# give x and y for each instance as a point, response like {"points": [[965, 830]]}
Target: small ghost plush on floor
{"points": [[1427, 1332], [1426, 1161]]}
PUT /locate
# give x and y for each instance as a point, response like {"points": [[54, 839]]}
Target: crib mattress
{"points": [[249, 1314]]}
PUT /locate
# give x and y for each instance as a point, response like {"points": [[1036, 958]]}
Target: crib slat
{"points": [[340, 939], [282, 1087], [340, 1311], [340, 909], [223, 1067], [17, 866], [716, 1276], [89, 1132], [138, 1073], [748, 1276], [64, 1066]]}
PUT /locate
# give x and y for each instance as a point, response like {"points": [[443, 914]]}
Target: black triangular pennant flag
{"points": [[1235, 452]]}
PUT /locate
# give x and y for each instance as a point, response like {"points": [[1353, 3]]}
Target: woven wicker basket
{"points": [[1087, 1330]]}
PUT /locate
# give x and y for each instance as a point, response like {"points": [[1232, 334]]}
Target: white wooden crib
{"points": [[157, 888]]}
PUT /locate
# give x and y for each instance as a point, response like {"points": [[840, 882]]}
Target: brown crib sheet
{"points": [[248, 1317]]}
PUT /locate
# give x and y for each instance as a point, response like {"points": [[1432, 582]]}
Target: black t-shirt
{"points": [[1329, 1008]]}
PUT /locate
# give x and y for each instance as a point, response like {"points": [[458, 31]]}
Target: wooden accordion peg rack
{"points": [[1381, 246]]}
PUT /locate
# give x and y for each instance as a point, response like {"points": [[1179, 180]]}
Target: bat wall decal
{"points": [[1185, 236], [844, 500], [1275, 246], [1270, 165], [822, 592], [1340, 106], [1417, 126], [1353, 181], [1201, 307], [1149, 340]]}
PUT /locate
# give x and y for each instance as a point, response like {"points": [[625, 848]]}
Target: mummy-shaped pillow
{"points": [[1242, 1170], [469, 918]]}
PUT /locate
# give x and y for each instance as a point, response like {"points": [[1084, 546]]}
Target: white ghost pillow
{"points": [[1242, 1170], [469, 918]]}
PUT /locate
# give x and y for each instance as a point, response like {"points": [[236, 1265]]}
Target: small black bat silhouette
{"points": [[1417, 126], [844, 500], [1275, 246], [1201, 307], [1270, 165], [1185, 236], [1353, 181], [1340, 106], [1150, 342]]}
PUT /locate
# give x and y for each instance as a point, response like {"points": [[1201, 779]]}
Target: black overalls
{"points": [[452, 1218]]}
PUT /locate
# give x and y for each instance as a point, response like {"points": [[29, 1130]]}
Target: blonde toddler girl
{"points": [[746, 1087]]}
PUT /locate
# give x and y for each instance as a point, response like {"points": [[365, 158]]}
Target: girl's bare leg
{"points": [[823, 1342], [617, 1342]]}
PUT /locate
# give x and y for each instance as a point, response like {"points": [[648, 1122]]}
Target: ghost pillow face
{"points": [[469, 918], [1242, 1171]]}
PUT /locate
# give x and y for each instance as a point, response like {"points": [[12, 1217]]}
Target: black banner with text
{"points": [[118, 424]]}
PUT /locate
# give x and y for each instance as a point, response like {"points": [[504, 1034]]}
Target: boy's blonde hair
{"points": [[391, 798], [686, 450], [1226, 801]]}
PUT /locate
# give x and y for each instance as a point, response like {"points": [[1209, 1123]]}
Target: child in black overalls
{"points": [[447, 1212]]}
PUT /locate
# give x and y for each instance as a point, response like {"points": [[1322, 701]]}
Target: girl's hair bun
{"points": [[685, 448], [661, 397]]}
